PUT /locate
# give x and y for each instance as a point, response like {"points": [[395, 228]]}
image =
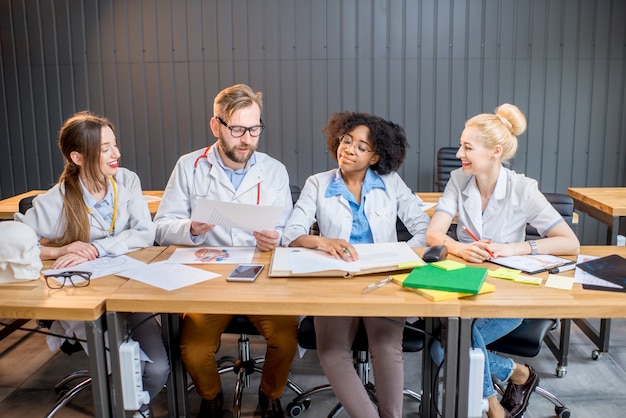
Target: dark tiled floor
{"points": [[28, 372]]}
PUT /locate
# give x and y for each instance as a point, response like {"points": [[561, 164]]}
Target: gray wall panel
{"points": [[153, 67]]}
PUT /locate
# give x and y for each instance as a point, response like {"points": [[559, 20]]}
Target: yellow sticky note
{"points": [[448, 265], [411, 264], [528, 279], [560, 282], [504, 273]]}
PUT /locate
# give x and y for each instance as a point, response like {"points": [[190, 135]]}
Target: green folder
{"points": [[465, 280]]}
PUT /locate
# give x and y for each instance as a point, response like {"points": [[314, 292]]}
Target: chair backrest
{"points": [[25, 204], [295, 193], [446, 162], [563, 204]]}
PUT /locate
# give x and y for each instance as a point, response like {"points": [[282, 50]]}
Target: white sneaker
{"points": [[144, 414]]}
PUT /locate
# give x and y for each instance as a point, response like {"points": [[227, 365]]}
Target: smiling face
{"points": [[354, 153], [475, 157], [109, 152]]}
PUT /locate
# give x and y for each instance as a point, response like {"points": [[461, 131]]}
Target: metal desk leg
{"points": [[560, 350], [464, 342], [178, 404], [612, 230], [451, 365], [599, 337], [117, 323], [98, 368], [429, 372]]}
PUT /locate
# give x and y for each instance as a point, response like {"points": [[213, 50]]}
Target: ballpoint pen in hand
{"points": [[376, 285], [475, 238]]}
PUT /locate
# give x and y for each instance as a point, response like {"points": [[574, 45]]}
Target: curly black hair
{"points": [[387, 138]]}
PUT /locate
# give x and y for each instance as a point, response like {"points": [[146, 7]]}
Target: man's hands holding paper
{"points": [[199, 228], [266, 240]]}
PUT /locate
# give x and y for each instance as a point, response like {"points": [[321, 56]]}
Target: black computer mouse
{"points": [[435, 253]]}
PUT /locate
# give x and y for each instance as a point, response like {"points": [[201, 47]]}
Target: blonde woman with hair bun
{"points": [[494, 204]]}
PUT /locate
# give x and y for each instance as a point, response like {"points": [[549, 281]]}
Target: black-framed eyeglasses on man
{"points": [[239, 131], [76, 279]]}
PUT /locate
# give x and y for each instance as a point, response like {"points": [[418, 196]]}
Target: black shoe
{"points": [[270, 408], [515, 398], [212, 408]]}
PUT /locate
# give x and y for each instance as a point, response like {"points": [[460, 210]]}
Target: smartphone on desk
{"points": [[245, 273]]}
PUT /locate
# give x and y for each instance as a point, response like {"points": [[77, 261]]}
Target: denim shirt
{"points": [[361, 232]]}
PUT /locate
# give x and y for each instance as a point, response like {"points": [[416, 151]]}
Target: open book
{"points": [[373, 258]]}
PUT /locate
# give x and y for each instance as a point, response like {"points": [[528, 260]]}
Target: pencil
{"points": [[476, 239]]}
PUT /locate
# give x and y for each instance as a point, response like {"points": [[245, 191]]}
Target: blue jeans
{"points": [[484, 332]]}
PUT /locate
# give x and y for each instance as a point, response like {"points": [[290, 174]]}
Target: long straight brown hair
{"points": [[80, 133]]}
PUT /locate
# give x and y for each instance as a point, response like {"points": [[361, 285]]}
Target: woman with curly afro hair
{"points": [[359, 202]]}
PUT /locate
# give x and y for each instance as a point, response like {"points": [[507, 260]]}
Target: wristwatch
{"points": [[533, 247]]}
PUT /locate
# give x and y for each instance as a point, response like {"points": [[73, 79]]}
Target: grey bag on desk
{"points": [[19, 253]]}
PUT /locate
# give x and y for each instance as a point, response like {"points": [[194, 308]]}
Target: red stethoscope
{"points": [[204, 156]]}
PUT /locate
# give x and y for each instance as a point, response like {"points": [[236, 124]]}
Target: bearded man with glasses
{"points": [[230, 170]]}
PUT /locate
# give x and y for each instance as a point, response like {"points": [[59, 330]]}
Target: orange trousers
{"points": [[200, 340]]}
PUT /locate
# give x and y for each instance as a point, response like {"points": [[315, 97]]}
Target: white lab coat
{"points": [[133, 225], [334, 216], [515, 202], [133, 230], [195, 177]]}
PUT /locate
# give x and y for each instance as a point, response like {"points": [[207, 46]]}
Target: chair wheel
{"points": [[62, 391], [562, 412], [561, 371], [294, 409], [596, 354]]}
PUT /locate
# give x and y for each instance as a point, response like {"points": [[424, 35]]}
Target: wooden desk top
{"points": [[279, 296], [530, 301], [300, 296], [34, 300], [610, 200]]}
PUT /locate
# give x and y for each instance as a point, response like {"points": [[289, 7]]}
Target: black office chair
{"points": [[65, 389], [446, 162], [526, 341], [563, 204], [413, 341]]}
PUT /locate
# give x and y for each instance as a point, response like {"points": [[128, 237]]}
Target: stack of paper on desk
{"points": [[373, 258]]}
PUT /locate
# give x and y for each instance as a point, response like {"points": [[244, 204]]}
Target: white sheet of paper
{"points": [[559, 282], [102, 266], [237, 215], [304, 260], [212, 255], [168, 276]]}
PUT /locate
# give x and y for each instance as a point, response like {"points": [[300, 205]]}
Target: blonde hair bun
{"points": [[512, 117]]}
